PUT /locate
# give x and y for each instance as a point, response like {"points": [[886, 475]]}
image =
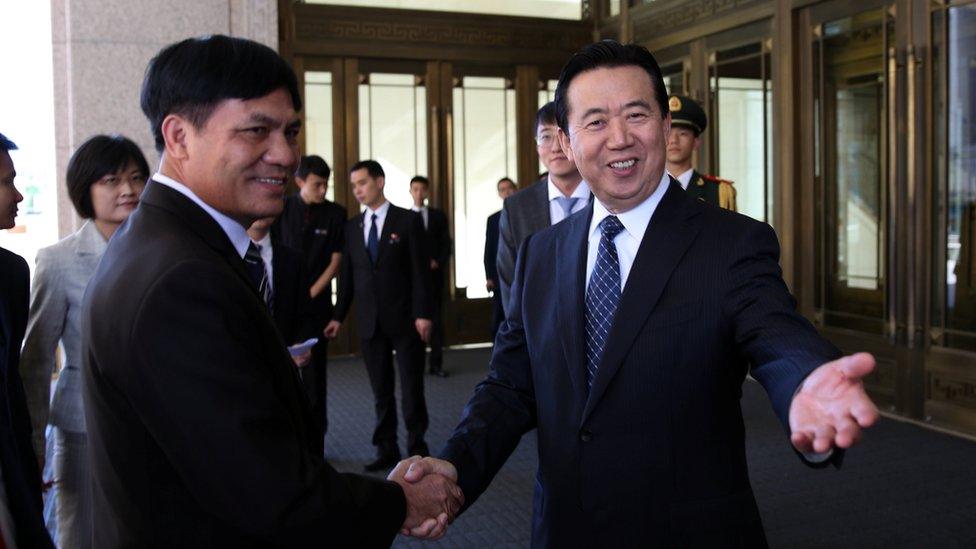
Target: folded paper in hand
{"points": [[300, 349]]}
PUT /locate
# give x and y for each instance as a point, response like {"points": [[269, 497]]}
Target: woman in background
{"points": [[106, 176]]}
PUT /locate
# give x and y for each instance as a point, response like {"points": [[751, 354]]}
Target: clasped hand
{"points": [[433, 496]]}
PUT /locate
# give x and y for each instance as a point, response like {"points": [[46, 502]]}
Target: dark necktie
{"points": [[602, 296], [373, 242], [567, 203], [258, 273]]}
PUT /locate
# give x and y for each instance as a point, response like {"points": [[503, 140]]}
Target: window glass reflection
{"points": [[318, 119], [959, 112], [393, 130], [484, 152]]}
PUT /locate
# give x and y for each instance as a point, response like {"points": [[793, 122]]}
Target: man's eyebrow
{"points": [[594, 110], [294, 124], [638, 103], [263, 119]]}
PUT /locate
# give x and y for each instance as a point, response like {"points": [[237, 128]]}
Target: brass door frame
{"points": [[349, 40]]}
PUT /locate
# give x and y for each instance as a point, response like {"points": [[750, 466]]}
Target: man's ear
{"points": [[299, 182], [565, 145], [698, 141], [381, 182], [176, 136]]}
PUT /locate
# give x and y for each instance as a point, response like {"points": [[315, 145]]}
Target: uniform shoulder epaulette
{"points": [[716, 179]]}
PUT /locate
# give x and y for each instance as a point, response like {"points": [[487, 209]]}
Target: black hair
{"points": [[314, 165], [609, 54], [191, 78], [6, 144], [420, 179], [545, 115], [373, 168], [506, 178], [97, 157]]}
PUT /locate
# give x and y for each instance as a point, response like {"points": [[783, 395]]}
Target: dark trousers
{"points": [[497, 315], [314, 381], [436, 343], [378, 354]]}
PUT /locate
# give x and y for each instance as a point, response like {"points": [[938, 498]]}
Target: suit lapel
{"points": [[571, 261], [199, 222], [392, 215], [669, 234], [540, 214]]}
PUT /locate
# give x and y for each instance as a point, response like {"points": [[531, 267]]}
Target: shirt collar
{"points": [[418, 209], [636, 219], [582, 190], [381, 211], [234, 230], [265, 242], [684, 177]]}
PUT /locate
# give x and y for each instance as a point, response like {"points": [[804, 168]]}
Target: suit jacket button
{"points": [[586, 435]]}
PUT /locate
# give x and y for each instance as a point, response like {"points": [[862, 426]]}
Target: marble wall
{"points": [[101, 49]]}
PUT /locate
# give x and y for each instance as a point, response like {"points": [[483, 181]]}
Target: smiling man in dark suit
{"points": [[198, 432], [631, 329], [385, 267]]}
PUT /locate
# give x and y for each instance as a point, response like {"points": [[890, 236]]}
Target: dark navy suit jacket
{"points": [[654, 453], [21, 478]]}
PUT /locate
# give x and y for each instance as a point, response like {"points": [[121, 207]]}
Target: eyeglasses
{"points": [[545, 140]]}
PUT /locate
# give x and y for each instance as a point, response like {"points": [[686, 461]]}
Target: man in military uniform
{"points": [[688, 121]]}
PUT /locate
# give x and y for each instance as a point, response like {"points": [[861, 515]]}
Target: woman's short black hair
{"points": [[609, 54], [101, 155], [192, 77]]}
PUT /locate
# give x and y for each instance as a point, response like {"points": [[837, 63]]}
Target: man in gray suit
{"points": [[545, 203]]}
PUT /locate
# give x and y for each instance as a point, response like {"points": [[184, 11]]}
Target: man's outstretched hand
{"points": [[433, 497], [831, 407]]}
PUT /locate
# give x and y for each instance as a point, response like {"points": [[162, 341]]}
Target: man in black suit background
{"points": [[198, 431], [386, 269], [630, 331], [315, 226], [439, 248], [21, 519], [506, 188], [560, 194], [289, 303]]}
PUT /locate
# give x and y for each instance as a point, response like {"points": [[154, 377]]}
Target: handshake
{"points": [[433, 496]]}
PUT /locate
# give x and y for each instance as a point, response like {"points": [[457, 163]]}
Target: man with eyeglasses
{"points": [[545, 203]]}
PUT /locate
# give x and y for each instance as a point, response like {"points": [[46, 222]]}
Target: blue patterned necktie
{"points": [[258, 273], [602, 296], [567, 203], [373, 243]]}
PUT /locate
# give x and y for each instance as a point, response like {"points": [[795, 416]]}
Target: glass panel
{"points": [[613, 7], [853, 104], [741, 101], [957, 104], [674, 78], [553, 9], [484, 152], [393, 130], [318, 119]]}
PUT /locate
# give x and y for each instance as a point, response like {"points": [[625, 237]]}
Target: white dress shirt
{"points": [[380, 218], [267, 255], [556, 213], [635, 222], [684, 178], [423, 213], [234, 230]]}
